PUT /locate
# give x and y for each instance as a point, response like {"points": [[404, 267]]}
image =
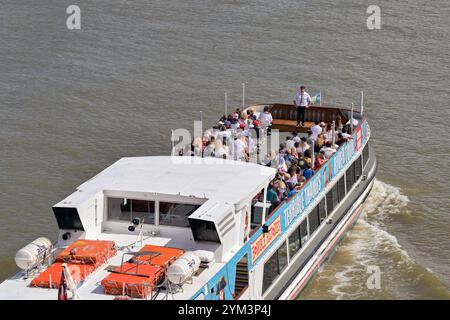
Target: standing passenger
{"points": [[302, 100]]}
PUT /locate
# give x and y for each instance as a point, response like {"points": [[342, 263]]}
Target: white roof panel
{"points": [[225, 181]]}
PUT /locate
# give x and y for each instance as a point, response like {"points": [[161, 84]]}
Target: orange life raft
{"points": [[82, 257], [140, 276], [88, 251]]}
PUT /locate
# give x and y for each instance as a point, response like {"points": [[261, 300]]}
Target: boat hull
{"points": [[304, 266]]}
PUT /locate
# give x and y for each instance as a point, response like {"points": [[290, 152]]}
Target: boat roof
{"points": [[218, 180]]}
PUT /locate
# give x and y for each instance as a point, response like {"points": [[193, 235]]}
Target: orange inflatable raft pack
{"points": [[82, 257]]}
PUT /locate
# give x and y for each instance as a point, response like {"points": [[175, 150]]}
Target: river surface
{"points": [[73, 102]]}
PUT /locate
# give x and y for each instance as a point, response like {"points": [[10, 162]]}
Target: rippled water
{"points": [[73, 102]]}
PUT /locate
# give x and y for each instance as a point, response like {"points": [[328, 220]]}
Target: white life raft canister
{"points": [[183, 268], [33, 253]]}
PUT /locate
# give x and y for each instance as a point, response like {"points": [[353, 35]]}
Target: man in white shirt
{"points": [[237, 149], [316, 130], [302, 100], [328, 150]]}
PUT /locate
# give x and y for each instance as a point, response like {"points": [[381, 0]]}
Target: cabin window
{"points": [[270, 271], [294, 242], [322, 210], [256, 210], [341, 188], [68, 218], [304, 231], [313, 220], [282, 257], [204, 230], [335, 195], [358, 168], [175, 214], [350, 177], [123, 209], [274, 266], [330, 203], [366, 155]]}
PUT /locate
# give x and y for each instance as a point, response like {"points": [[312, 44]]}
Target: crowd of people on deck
{"points": [[236, 136]]}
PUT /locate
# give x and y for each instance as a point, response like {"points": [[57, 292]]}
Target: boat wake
{"points": [[369, 249]]}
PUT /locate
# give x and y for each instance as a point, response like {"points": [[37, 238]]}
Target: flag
{"points": [[316, 99], [62, 290]]}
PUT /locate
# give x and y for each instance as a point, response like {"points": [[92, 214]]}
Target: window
{"points": [[68, 218], [330, 203], [126, 209], [282, 257], [204, 230], [294, 242], [175, 214], [274, 266], [304, 231], [366, 154], [350, 177], [322, 210], [270, 271], [335, 195], [341, 188], [313, 220], [358, 168]]}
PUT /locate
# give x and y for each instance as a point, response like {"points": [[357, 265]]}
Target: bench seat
{"points": [[285, 115], [290, 125]]}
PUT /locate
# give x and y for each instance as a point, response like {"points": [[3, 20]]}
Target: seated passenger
{"points": [[329, 132], [328, 150], [303, 146], [319, 143], [290, 190], [266, 120], [272, 197], [316, 129], [345, 134], [289, 142], [320, 160], [308, 173], [307, 156]]}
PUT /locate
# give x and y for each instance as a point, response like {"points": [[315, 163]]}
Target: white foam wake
{"points": [[368, 241]]}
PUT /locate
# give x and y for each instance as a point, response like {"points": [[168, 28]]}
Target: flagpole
{"points": [[362, 103], [333, 132], [201, 124], [226, 103], [320, 95], [243, 96], [173, 144], [351, 117]]}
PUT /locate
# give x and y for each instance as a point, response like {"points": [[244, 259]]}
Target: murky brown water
{"points": [[73, 102]]}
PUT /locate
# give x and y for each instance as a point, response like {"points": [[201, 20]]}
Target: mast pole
{"points": [[226, 103], [333, 132], [351, 117], [362, 103], [243, 96]]}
